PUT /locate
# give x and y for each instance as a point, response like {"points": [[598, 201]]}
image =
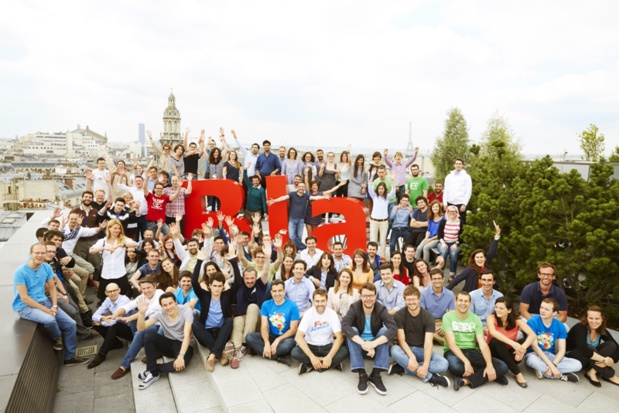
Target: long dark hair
{"points": [[602, 328], [211, 158], [357, 167], [471, 262], [511, 316]]}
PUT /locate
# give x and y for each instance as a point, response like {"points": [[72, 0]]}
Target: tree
{"points": [[453, 144], [495, 168], [614, 157], [592, 143]]}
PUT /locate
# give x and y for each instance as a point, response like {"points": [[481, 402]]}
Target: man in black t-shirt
{"points": [[413, 353]]}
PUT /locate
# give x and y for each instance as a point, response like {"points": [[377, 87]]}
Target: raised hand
{"points": [[149, 134], [88, 173], [57, 213], [233, 133], [159, 223], [229, 221], [202, 254], [256, 218], [209, 222], [143, 304], [497, 229]]}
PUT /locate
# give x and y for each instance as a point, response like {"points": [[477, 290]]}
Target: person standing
{"points": [[458, 189], [267, 163]]}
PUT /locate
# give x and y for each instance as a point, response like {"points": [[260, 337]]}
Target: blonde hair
{"points": [[110, 224]]}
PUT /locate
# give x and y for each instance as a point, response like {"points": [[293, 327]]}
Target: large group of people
{"points": [[237, 292]]}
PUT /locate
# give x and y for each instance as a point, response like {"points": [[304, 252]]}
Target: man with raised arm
{"points": [[250, 158]]}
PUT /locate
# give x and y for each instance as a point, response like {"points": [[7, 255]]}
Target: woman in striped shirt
{"points": [[449, 238]]}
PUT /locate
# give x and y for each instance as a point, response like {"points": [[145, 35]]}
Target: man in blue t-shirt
{"points": [[31, 303], [547, 354], [299, 200], [280, 320]]}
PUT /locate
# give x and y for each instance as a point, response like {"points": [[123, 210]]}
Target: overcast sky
{"points": [[329, 72]]}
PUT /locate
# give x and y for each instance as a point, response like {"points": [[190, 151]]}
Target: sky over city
{"points": [[321, 72]]}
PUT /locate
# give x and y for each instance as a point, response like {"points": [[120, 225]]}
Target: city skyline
{"points": [[296, 73]]}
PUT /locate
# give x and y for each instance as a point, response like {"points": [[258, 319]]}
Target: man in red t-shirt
{"points": [[437, 194], [157, 203]]}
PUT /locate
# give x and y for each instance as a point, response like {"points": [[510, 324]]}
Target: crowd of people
{"points": [[238, 292]]}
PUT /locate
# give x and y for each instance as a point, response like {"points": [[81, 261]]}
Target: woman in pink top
{"points": [[503, 326]]}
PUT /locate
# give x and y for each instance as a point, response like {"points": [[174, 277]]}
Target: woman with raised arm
{"points": [[503, 327], [357, 187], [372, 171], [177, 163], [595, 347], [342, 294], [478, 262]]}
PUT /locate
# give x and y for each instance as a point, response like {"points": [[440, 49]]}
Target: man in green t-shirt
{"points": [[417, 185], [466, 349]]}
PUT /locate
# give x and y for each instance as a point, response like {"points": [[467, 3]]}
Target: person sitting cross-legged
{"points": [[413, 354], [279, 322], [316, 347], [175, 342], [466, 350], [369, 329]]}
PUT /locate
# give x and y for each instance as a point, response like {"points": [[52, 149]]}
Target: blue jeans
{"points": [[357, 354], [456, 366], [453, 255], [396, 234], [566, 365], [438, 364], [61, 325], [256, 342], [136, 344], [152, 225], [295, 231]]}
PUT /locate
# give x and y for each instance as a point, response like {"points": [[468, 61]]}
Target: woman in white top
{"points": [[379, 223], [342, 295], [112, 249], [344, 167]]}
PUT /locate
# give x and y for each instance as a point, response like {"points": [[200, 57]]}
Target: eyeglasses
{"points": [[544, 274]]}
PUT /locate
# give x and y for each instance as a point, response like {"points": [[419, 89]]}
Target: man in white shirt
{"points": [[311, 255], [249, 157], [109, 329], [150, 292], [458, 189], [316, 347]]}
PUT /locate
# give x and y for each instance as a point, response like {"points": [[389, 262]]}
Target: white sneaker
{"points": [[148, 380]]}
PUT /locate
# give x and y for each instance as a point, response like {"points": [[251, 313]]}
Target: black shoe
{"points": [[571, 377], [595, 383], [395, 368], [362, 387], [502, 380], [339, 367], [438, 380], [96, 361], [76, 361], [305, 368], [458, 383], [284, 360], [377, 382], [610, 381]]}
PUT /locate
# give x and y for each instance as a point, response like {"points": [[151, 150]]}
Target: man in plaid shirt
{"points": [[177, 206]]}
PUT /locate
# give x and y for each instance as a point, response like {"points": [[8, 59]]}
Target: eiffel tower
{"points": [[409, 145]]}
